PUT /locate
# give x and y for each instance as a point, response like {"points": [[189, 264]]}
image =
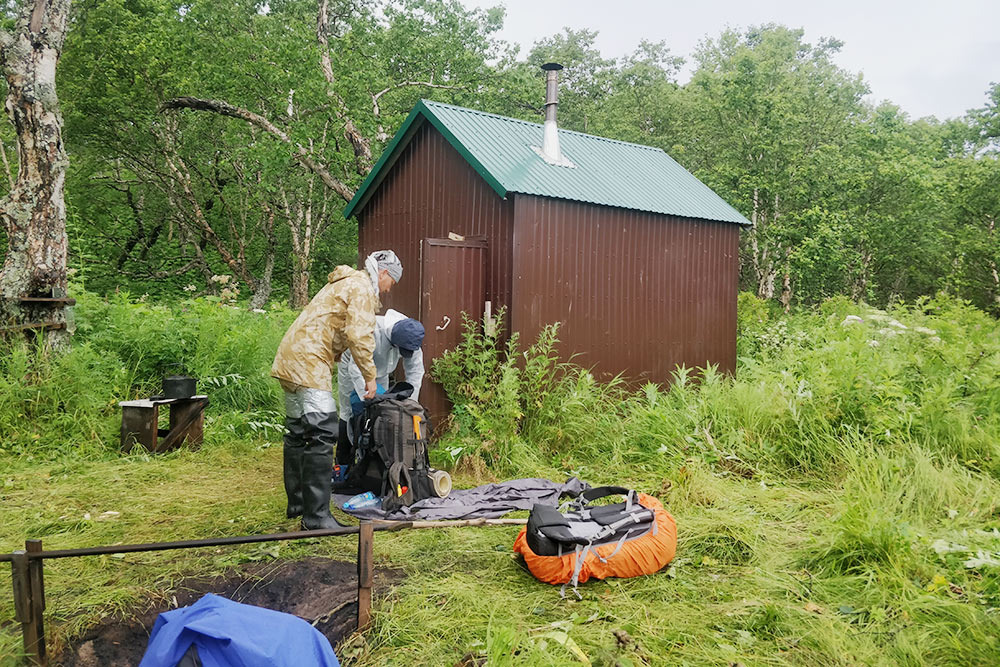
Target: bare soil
{"points": [[323, 592]]}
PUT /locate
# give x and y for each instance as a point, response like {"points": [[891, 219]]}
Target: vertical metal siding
{"points": [[637, 293], [430, 191]]}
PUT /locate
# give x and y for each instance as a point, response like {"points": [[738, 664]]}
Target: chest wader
{"points": [[311, 423]]}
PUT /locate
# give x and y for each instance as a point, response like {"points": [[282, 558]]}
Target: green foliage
{"points": [[846, 197], [483, 381], [925, 374], [753, 317], [145, 184], [68, 404]]}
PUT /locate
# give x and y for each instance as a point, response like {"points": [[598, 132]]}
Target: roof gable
{"points": [[605, 171]]}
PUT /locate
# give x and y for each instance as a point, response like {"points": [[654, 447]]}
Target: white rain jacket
{"points": [[386, 357]]}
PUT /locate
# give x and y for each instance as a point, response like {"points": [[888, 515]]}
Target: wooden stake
{"points": [[36, 581], [366, 574], [27, 610]]}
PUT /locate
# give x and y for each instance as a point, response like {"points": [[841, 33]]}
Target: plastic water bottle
{"points": [[363, 500]]}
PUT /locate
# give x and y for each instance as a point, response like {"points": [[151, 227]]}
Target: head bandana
{"points": [[383, 260]]}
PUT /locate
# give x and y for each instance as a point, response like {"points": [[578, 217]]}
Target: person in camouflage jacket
{"points": [[340, 317]]}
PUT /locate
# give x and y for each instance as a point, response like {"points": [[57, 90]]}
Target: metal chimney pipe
{"points": [[550, 136]]}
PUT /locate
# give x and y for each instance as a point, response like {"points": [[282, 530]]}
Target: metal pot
{"points": [[179, 386]]}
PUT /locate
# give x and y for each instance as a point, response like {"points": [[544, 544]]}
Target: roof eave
{"points": [[401, 139]]}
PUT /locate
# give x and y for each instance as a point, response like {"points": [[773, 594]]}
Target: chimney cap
{"points": [[552, 66]]}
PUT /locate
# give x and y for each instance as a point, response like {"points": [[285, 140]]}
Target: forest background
{"points": [[213, 146]]}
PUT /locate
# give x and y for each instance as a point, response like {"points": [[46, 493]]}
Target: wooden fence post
{"points": [[29, 601], [366, 574], [36, 580]]}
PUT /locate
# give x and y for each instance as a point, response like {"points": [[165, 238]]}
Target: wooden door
{"points": [[452, 282]]}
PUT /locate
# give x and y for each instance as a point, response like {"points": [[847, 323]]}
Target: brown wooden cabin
{"points": [[634, 256]]}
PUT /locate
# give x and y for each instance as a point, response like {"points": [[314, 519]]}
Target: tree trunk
{"points": [[34, 212], [263, 290], [786, 291], [300, 282], [859, 287], [763, 267]]}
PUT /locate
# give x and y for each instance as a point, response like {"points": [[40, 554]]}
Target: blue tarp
{"points": [[230, 634]]}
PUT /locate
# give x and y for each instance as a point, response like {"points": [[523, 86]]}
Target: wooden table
{"points": [[140, 423]]}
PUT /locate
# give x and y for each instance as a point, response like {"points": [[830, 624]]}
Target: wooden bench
{"points": [[140, 423]]}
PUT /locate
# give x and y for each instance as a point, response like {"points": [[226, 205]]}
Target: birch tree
{"points": [[33, 212]]}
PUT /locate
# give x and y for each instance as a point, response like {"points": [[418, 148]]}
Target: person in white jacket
{"points": [[397, 337]]}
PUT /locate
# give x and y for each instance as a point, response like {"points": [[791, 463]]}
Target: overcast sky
{"points": [[932, 58]]}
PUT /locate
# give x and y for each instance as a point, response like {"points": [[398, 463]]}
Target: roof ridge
{"points": [[431, 103]]}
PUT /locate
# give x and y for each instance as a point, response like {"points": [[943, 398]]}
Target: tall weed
{"points": [[928, 373], [57, 405]]}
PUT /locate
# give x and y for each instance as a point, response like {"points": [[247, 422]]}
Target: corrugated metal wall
{"points": [[637, 293], [430, 191]]}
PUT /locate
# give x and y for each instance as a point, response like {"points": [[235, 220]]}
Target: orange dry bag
{"points": [[626, 539]]}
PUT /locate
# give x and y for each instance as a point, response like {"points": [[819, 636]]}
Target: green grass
{"points": [[837, 501]]}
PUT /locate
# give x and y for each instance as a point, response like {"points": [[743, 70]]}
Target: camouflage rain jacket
{"points": [[341, 316]]}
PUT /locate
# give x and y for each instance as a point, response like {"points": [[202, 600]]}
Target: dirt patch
{"points": [[323, 592]]}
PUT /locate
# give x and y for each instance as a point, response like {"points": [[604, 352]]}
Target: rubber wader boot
{"points": [[292, 469], [343, 445], [317, 467]]}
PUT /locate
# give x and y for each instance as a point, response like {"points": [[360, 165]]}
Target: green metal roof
{"points": [[605, 171]]}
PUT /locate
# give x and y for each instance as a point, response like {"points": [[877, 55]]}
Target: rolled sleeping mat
{"points": [[441, 482]]}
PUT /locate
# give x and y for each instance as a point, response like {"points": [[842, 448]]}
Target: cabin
{"points": [[635, 257]]}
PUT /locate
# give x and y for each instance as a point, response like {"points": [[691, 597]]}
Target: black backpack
{"points": [[390, 450]]}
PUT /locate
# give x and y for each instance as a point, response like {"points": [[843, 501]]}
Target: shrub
{"points": [[517, 409]]}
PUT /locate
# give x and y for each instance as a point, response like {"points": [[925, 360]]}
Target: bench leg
{"points": [[182, 412], [139, 426]]}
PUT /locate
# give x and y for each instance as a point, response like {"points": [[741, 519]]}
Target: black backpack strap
{"points": [[397, 392], [591, 495]]}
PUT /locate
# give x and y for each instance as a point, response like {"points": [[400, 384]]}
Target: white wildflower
{"points": [[851, 319], [259, 311], [873, 343], [925, 330]]}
